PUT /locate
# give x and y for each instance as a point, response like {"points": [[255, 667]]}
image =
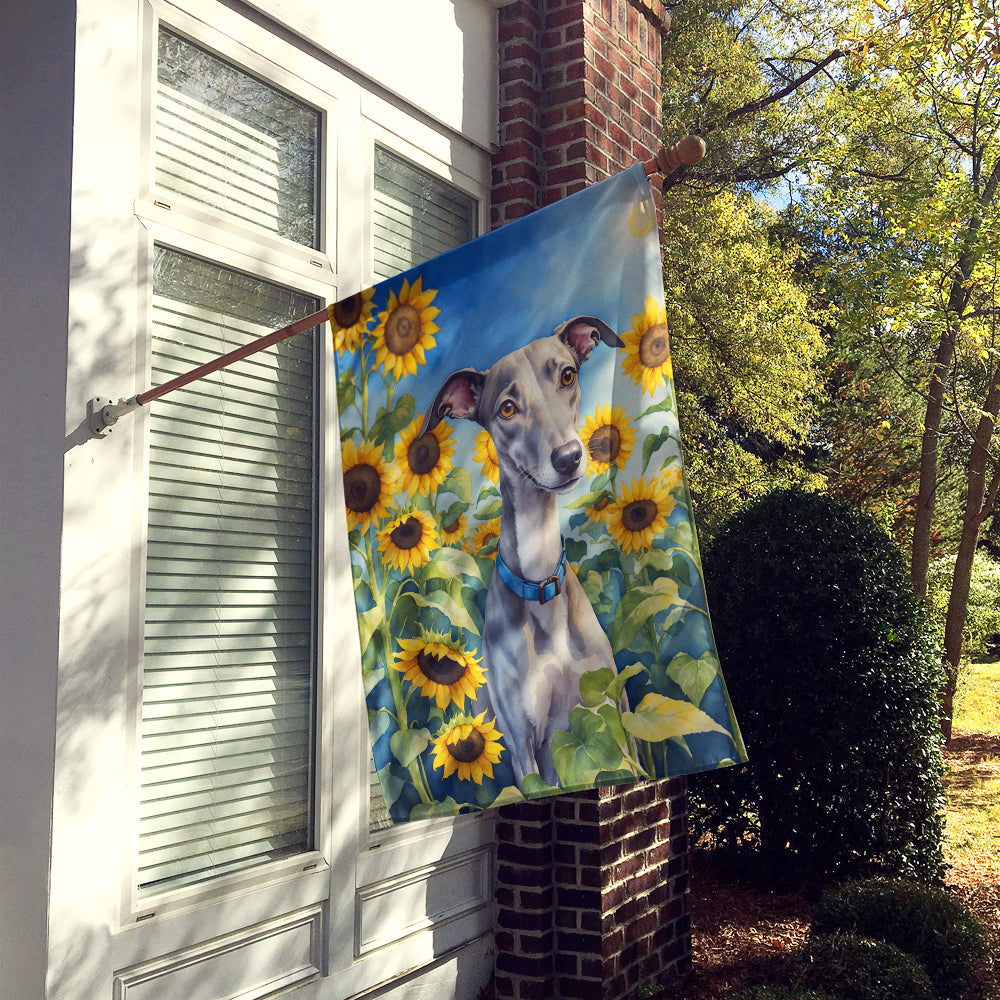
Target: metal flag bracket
{"points": [[103, 413]]}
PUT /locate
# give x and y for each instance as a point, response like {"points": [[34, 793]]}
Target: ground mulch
{"points": [[742, 934]]}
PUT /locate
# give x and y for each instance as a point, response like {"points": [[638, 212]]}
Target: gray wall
{"points": [[37, 42]]}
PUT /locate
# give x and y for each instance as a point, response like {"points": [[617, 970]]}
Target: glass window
{"points": [[228, 140], [417, 215], [228, 680]]}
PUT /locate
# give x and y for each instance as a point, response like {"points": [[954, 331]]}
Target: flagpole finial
{"points": [[688, 151]]}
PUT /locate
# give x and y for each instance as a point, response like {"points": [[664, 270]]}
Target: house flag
{"points": [[530, 602]]}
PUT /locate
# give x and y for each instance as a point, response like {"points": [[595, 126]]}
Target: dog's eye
{"points": [[507, 409], [568, 377]]}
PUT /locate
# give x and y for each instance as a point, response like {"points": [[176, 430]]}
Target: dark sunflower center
{"points": [[402, 329], [654, 348], [444, 670], [602, 503], [362, 487], [605, 443], [468, 750], [423, 454], [639, 514], [347, 311], [407, 534]]}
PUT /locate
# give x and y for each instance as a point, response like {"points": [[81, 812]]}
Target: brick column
{"points": [[591, 889]]}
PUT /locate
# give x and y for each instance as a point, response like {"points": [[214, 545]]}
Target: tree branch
{"points": [[754, 106]]}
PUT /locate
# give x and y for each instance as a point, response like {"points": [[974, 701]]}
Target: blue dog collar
{"points": [[534, 590]]}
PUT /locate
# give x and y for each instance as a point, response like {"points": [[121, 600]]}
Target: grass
{"points": [[973, 784], [972, 848], [978, 698]]}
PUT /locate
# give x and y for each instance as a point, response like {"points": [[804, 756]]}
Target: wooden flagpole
{"points": [[102, 413]]}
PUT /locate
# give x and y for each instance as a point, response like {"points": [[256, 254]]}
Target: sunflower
{"points": [[368, 484], [608, 438], [485, 452], [486, 536], [672, 478], [348, 319], [470, 746], [423, 459], [453, 532], [599, 510], [406, 330], [639, 514], [647, 347], [440, 667], [408, 540]]}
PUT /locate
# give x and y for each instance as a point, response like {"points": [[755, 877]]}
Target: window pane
{"points": [[228, 676], [417, 215], [228, 140]]}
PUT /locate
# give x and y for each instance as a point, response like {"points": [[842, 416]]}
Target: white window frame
{"points": [[352, 873], [180, 224]]}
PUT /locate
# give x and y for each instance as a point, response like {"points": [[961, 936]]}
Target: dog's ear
{"points": [[458, 397], [582, 333]]}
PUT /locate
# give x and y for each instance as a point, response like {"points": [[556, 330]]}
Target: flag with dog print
{"points": [[530, 603]]}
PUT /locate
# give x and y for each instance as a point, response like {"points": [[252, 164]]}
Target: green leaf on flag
{"points": [[693, 676], [457, 614], [345, 389], [390, 422], [459, 483], [408, 744], [587, 749], [658, 718]]}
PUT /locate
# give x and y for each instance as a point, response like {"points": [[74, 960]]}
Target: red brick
{"points": [[532, 899], [520, 130], [518, 49], [581, 989]]}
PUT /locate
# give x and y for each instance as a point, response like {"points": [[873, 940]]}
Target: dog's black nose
{"points": [[566, 458]]}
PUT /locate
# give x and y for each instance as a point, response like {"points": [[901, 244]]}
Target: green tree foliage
{"points": [[909, 180], [748, 358], [834, 672], [982, 620], [879, 124]]}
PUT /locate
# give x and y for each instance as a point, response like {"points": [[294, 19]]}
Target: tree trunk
{"points": [[920, 553], [958, 299], [979, 500]]}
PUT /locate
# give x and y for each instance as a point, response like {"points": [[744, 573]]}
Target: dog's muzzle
{"points": [[534, 590]]}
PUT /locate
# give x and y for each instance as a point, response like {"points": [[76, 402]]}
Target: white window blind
{"points": [[228, 662], [228, 140], [416, 217]]}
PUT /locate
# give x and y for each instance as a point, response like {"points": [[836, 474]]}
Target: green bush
{"points": [[856, 968], [833, 672], [925, 922]]}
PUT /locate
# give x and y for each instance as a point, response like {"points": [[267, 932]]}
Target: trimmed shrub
{"points": [[833, 672], [857, 968], [925, 922]]}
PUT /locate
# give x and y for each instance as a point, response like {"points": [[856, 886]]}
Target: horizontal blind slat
{"points": [[227, 679]]}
